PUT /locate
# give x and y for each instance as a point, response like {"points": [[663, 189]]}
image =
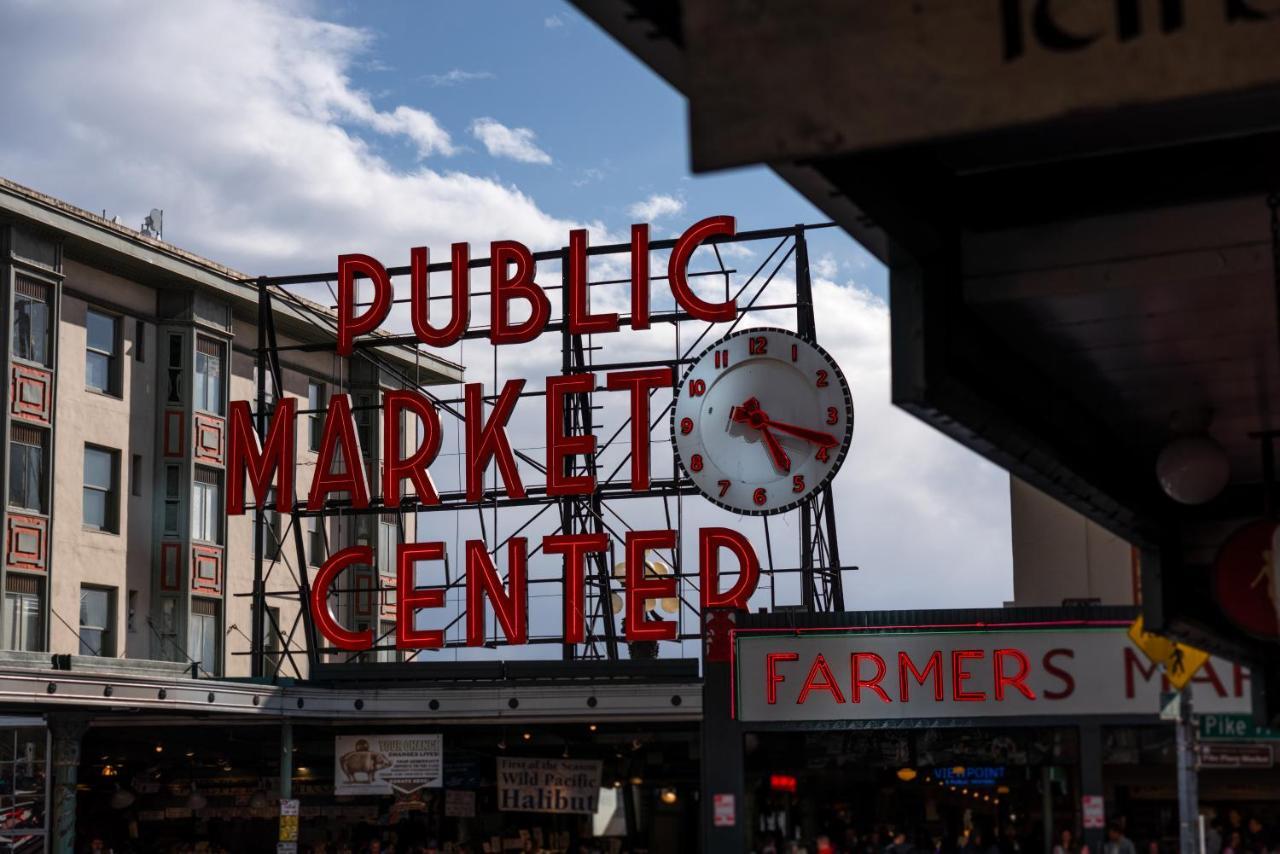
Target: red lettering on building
{"points": [[575, 548], [960, 675], [934, 666], [246, 456], [771, 675], [1016, 680], [639, 587], [710, 542], [1068, 681], [488, 440], [410, 599], [339, 435], [510, 604], [855, 665], [820, 679]]}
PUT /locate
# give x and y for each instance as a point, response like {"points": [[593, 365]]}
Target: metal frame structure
{"points": [[819, 564]]}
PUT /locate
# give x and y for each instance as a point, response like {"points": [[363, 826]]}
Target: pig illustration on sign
{"points": [[364, 761]]}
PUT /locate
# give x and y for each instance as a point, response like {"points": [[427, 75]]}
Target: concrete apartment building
{"points": [[123, 355]]}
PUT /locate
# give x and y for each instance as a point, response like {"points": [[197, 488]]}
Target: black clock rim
{"points": [[845, 444]]}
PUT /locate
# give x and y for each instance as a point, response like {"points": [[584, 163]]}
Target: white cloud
{"points": [[656, 206], [457, 76], [553, 22], [826, 266], [502, 141], [240, 119]]}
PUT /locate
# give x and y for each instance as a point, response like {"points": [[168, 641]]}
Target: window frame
{"points": [[12, 597], [315, 425], [21, 280], [113, 388], [108, 638], [42, 502], [200, 392], [112, 511], [207, 511]]}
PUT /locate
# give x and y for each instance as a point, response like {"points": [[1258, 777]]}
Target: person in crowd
{"points": [[899, 845], [1235, 843], [1117, 842], [1067, 843], [1213, 833], [1255, 837]]}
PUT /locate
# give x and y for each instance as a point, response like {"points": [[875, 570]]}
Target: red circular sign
{"points": [[1246, 579]]}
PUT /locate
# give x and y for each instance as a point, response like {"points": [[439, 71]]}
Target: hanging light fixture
{"points": [[906, 775], [122, 799], [1193, 469], [668, 796]]}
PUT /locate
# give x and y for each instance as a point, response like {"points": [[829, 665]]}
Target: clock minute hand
{"points": [[815, 436], [753, 416]]}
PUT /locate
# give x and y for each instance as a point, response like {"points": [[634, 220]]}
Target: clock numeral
{"points": [[822, 455], [757, 345], [695, 462], [686, 426], [722, 358], [795, 352], [833, 415], [797, 483], [724, 487], [760, 496], [697, 388], [822, 379]]}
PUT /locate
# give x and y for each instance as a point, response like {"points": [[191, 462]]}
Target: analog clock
{"points": [[762, 420]]}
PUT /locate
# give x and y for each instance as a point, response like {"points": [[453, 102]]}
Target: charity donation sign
{"points": [[548, 785], [384, 764], [761, 421]]}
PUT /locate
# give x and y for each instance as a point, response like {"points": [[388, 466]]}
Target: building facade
{"points": [[123, 355]]}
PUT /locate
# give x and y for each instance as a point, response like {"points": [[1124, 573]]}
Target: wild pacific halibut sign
{"points": [[548, 785]]}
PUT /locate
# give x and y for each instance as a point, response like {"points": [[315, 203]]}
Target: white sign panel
{"points": [[548, 785], [961, 674], [379, 764]]}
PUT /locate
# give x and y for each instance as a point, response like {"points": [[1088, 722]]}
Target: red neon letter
{"points": [[640, 588], [1068, 681], [959, 675], [482, 578], [906, 665], [339, 430], [334, 632], [1131, 663], [678, 270], [575, 548], [771, 675], [640, 277], [410, 599], [1017, 680], [349, 325], [561, 447], [245, 455], [488, 441], [577, 310], [874, 682], [414, 467], [420, 297], [828, 683], [710, 541], [503, 289], [641, 384]]}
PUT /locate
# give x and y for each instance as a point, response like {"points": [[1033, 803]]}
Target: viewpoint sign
{"points": [[959, 673]]}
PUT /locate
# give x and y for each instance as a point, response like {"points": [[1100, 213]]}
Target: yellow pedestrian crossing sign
{"points": [[1180, 662]]}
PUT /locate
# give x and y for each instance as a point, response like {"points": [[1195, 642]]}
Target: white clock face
{"points": [[762, 420]]}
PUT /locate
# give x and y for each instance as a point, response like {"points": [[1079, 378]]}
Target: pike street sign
{"points": [[1226, 727]]}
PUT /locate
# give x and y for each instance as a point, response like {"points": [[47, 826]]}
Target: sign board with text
{"points": [[1222, 727], [383, 764], [989, 673], [548, 785]]}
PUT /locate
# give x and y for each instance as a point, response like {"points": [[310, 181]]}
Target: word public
{"points": [[267, 464]]}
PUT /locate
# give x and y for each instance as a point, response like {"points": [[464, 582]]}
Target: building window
{"points": [[388, 538], [315, 541], [387, 637], [202, 639], [101, 489], [271, 630], [175, 369], [102, 344], [206, 506], [315, 402], [22, 617], [172, 499], [97, 618], [31, 320], [140, 340], [208, 375], [26, 468]]}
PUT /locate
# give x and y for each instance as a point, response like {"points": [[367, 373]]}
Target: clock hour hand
{"points": [[752, 415]]}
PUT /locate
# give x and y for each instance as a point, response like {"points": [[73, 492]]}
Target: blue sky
{"points": [[616, 132]]}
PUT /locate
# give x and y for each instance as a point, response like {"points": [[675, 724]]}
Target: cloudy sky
{"points": [[277, 135]]}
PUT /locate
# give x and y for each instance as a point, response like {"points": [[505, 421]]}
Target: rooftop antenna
{"points": [[153, 225]]}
